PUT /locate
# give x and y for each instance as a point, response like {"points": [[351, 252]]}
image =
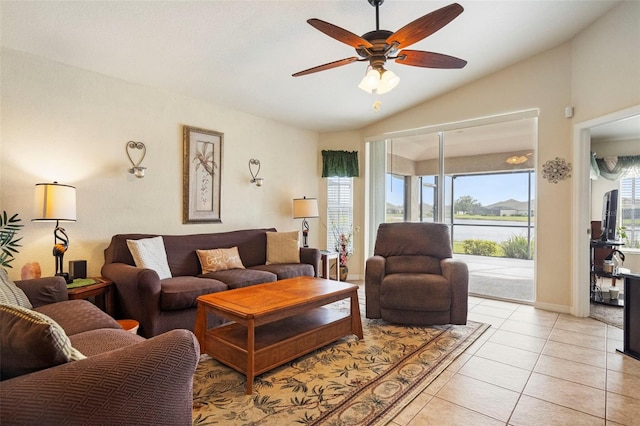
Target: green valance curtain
{"points": [[340, 164], [614, 168]]}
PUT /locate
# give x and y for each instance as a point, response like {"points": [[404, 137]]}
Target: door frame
{"points": [[581, 200]]}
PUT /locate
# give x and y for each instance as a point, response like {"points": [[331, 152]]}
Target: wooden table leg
{"points": [[356, 321], [200, 327], [251, 336], [325, 267]]}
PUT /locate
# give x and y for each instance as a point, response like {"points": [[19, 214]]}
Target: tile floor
{"points": [[533, 367]]}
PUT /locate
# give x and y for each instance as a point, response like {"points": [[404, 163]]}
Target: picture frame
{"points": [[202, 175]]}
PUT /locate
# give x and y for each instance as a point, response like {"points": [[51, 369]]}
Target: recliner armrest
{"points": [[373, 275], [146, 383], [43, 291], [457, 273]]}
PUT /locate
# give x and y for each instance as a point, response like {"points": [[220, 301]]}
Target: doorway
{"points": [[582, 205]]}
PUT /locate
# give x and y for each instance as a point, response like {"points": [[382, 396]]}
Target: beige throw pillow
{"points": [[283, 247], [149, 253], [31, 341], [10, 293], [219, 259]]}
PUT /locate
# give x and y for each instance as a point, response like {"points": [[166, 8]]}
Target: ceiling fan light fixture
{"points": [[370, 81], [387, 82]]}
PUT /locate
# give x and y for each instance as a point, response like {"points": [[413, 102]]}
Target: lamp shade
{"points": [[305, 207], [55, 202]]}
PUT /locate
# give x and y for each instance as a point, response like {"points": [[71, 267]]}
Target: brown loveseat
{"points": [[412, 277], [125, 379], [162, 305]]}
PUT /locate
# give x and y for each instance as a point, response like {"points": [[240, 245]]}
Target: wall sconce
{"points": [[136, 169], [55, 202], [254, 176]]}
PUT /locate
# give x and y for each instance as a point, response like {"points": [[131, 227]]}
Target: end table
{"points": [[325, 258], [102, 290]]}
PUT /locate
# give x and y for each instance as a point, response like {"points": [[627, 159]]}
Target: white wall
{"points": [[70, 125], [598, 72]]}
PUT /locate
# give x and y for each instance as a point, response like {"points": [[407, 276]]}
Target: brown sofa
{"points": [[412, 277], [162, 305], [125, 378]]}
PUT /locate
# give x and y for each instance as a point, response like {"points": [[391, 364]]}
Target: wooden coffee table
{"points": [[274, 323]]}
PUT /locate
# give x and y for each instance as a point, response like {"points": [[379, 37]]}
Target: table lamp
{"points": [[56, 202], [304, 208]]}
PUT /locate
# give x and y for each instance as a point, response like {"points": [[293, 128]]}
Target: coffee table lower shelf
{"points": [[278, 342]]}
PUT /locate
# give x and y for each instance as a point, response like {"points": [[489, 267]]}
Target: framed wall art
{"points": [[202, 175]]}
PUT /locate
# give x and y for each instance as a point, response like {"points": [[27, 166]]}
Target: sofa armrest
{"points": [[374, 273], [457, 273], [43, 291], [310, 256], [146, 383], [138, 293]]}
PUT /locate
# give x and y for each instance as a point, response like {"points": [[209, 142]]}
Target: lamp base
{"points": [[65, 276]]}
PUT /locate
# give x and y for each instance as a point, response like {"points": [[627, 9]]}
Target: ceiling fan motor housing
{"points": [[377, 54]]}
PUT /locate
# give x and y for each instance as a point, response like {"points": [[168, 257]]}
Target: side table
{"points": [[102, 291], [325, 258]]}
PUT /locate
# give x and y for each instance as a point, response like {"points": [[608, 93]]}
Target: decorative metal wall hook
{"points": [[254, 176], [136, 169]]}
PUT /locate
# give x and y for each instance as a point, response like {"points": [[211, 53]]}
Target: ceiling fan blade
{"points": [[328, 66], [339, 34], [425, 26], [419, 58]]}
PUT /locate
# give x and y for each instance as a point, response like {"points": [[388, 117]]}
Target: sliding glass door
{"points": [[479, 180]]}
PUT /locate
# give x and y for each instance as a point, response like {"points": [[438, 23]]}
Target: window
{"points": [[339, 209], [428, 198], [396, 199], [630, 211]]}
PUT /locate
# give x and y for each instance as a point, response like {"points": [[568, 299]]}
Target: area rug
{"points": [[611, 315], [350, 382]]}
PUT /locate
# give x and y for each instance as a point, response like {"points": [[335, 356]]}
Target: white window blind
{"points": [[630, 210], [339, 208]]}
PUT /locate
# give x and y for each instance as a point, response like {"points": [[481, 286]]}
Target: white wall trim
{"points": [[552, 307]]}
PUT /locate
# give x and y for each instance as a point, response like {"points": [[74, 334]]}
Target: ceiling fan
{"points": [[381, 45]]}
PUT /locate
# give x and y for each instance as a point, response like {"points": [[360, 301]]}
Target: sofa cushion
{"points": [[94, 342], [288, 270], [31, 341], [11, 294], [236, 278], [219, 259], [77, 316], [413, 265], [149, 253], [283, 247], [415, 292], [181, 292]]}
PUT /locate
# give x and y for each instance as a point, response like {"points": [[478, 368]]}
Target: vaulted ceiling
{"points": [[242, 53]]}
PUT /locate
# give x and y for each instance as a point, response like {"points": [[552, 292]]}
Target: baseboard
{"points": [[562, 309]]}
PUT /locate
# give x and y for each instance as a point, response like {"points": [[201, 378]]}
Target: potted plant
{"points": [[9, 227], [343, 246]]}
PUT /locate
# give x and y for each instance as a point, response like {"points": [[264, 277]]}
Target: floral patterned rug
{"points": [[350, 382]]}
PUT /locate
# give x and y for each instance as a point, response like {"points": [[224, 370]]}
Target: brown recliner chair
{"points": [[412, 277]]}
